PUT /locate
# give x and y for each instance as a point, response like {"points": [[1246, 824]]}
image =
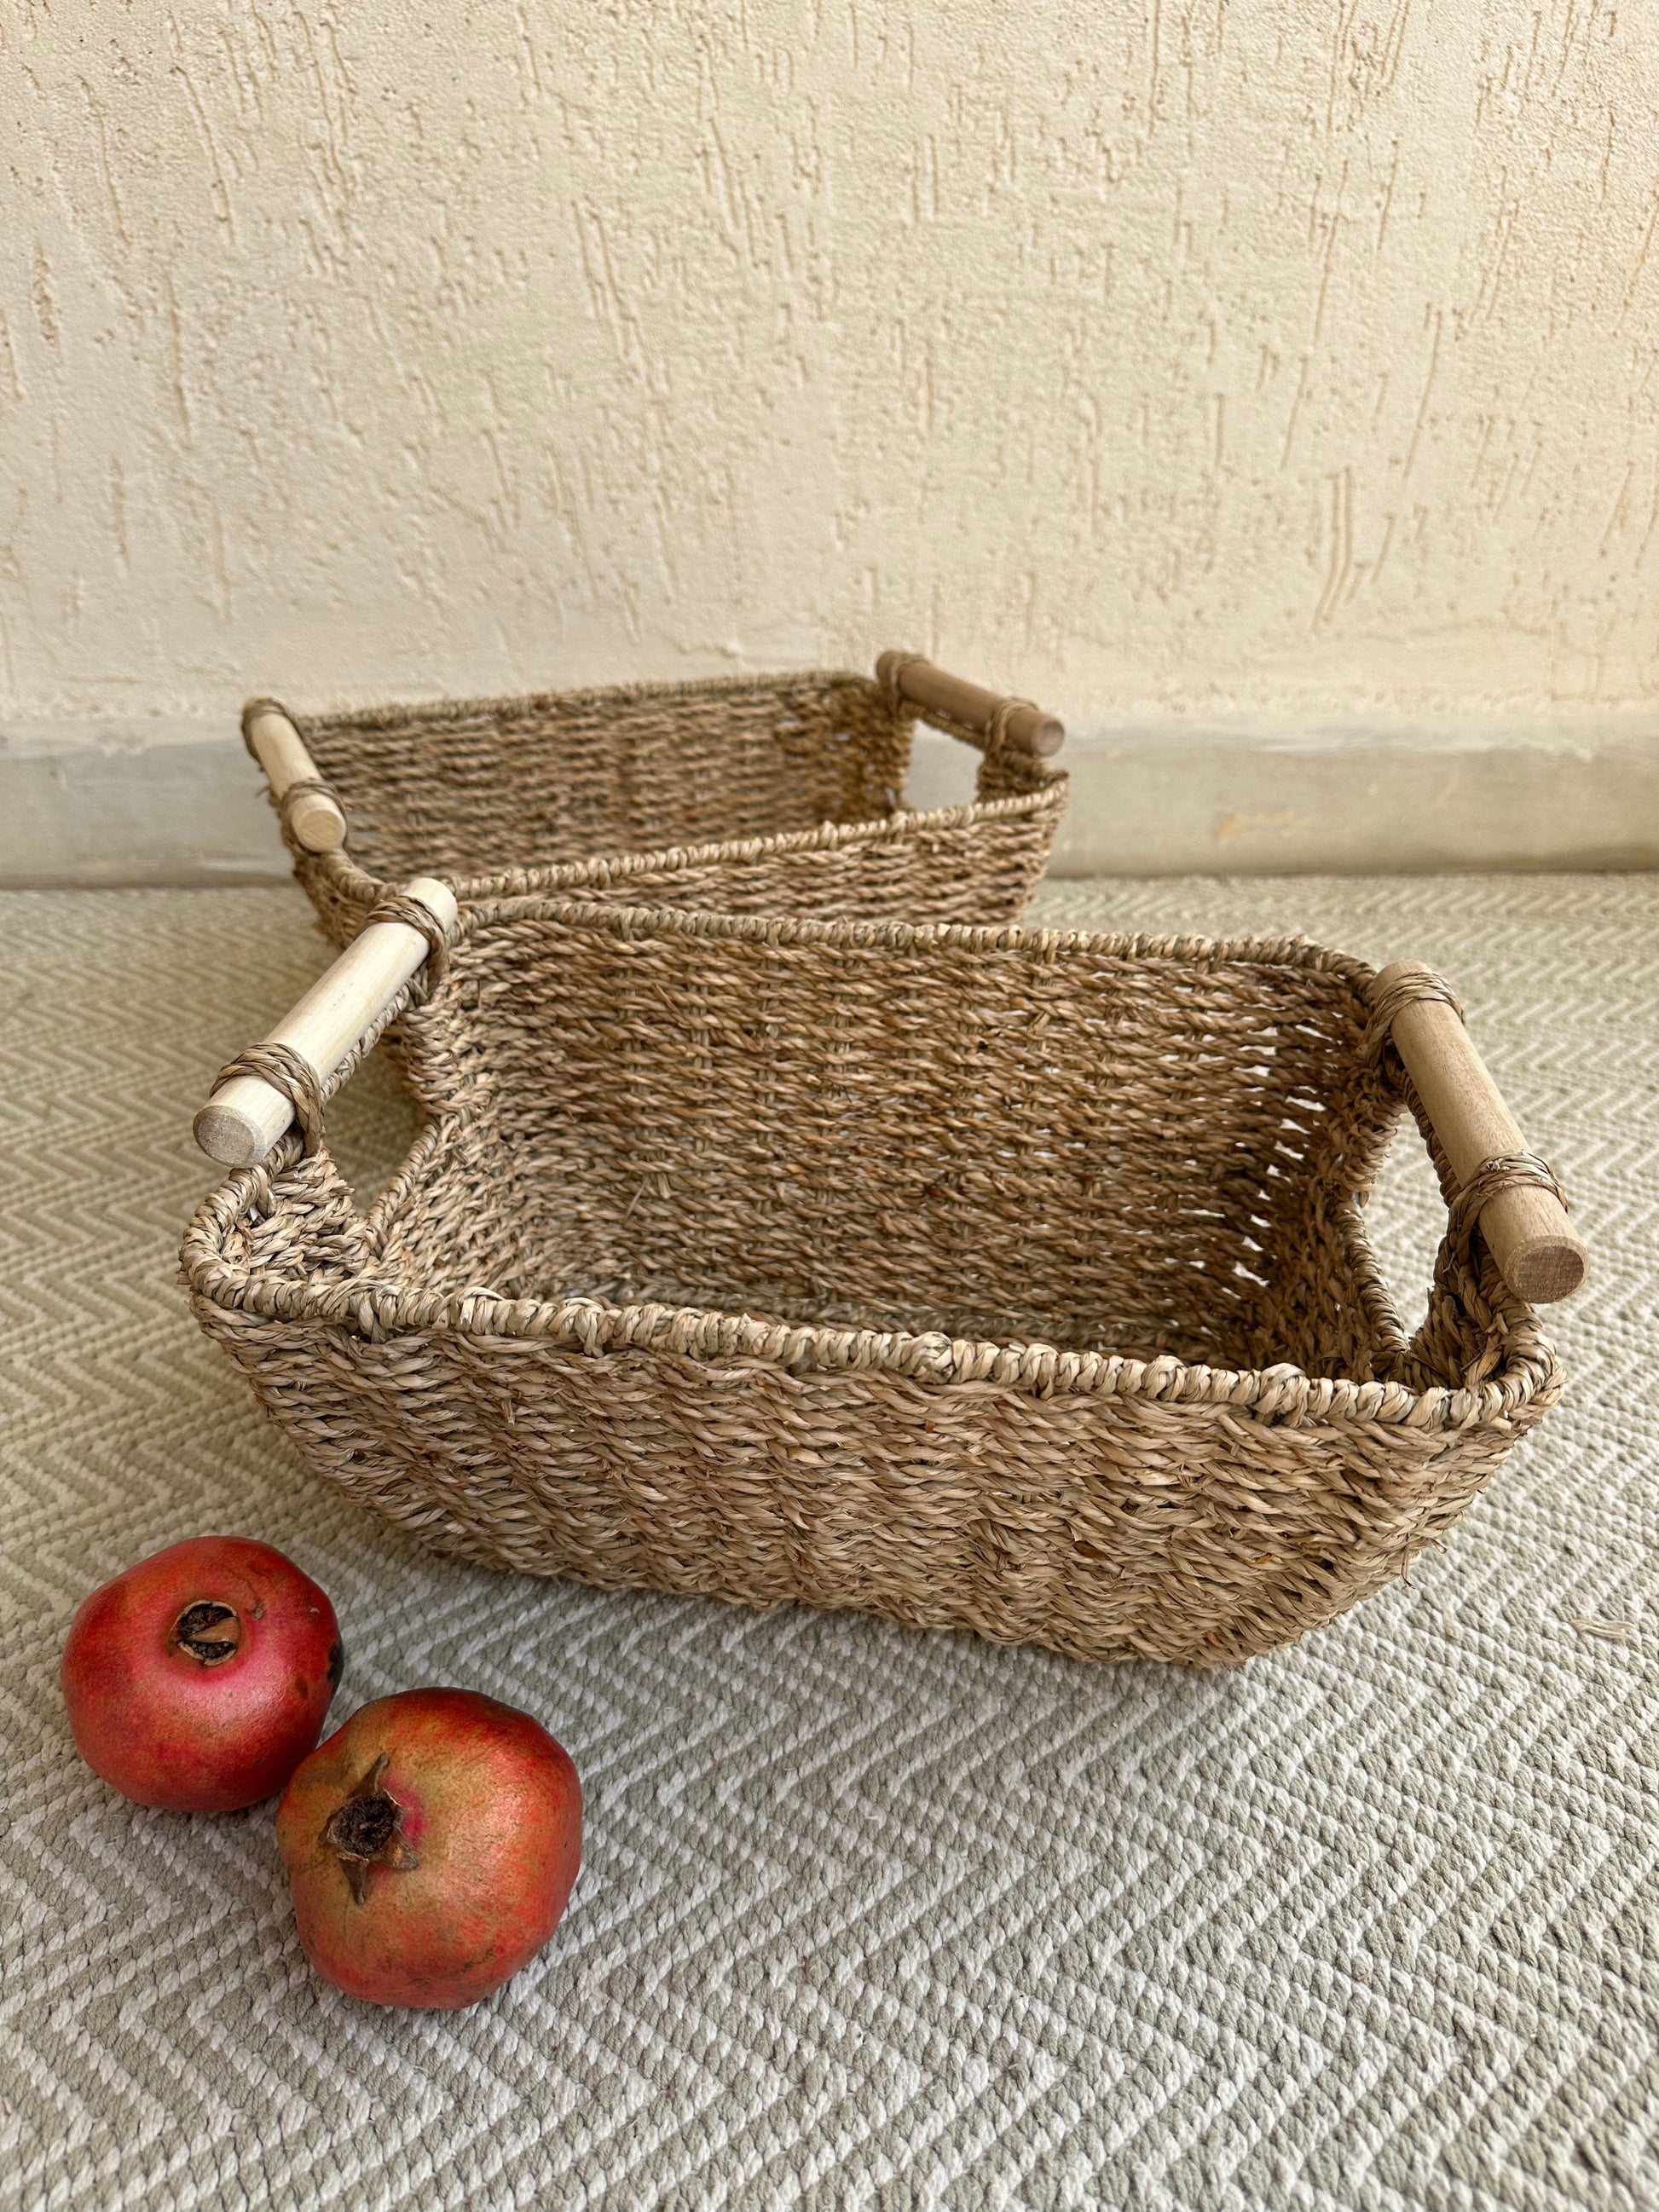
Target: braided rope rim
{"points": [[353, 884], [376, 1310]]}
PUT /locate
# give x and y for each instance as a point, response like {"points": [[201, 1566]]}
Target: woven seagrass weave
{"points": [[768, 794], [992, 1279]]}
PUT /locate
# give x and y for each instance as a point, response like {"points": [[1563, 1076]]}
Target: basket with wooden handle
{"points": [[984, 1278], [776, 794]]}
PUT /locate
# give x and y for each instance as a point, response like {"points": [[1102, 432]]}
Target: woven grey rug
{"points": [[866, 1917]]}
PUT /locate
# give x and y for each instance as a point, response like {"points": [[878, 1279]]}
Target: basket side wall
{"points": [[1102, 1528], [469, 790]]}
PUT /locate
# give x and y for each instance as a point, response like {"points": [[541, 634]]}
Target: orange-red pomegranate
{"points": [[198, 1679], [431, 1844]]}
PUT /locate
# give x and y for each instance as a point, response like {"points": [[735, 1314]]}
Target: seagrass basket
{"points": [[774, 794], [986, 1278]]}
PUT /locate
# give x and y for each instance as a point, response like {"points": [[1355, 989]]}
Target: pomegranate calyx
{"points": [[367, 1830], [209, 1631]]}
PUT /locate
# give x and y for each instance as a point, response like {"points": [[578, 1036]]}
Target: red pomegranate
{"points": [[431, 1844], [198, 1679]]}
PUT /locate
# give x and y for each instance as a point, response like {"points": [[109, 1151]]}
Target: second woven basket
{"points": [[770, 794]]}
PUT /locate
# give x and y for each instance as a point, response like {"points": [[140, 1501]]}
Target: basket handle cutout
{"points": [[308, 810], [1501, 1182], [246, 1115], [1011, 721]]}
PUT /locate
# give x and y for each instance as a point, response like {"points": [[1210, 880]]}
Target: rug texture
{"points": [[865, 1918]]}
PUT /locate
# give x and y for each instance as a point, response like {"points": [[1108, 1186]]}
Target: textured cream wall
{"points": [[1292, 362]]}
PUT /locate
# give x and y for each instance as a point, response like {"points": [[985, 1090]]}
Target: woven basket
{"points": [[780, 794], [985, 1279]]}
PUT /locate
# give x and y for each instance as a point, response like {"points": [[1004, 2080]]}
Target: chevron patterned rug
{"points": [[865, 1918]]}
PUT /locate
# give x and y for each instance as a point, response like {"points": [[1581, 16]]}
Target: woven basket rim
{"points": [[438, 712], [375, 1310], [862, 932], [570, 878]]}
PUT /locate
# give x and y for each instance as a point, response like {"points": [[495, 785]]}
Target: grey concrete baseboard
{"points": [[1358, 802], [180, 802], [175, 803]]}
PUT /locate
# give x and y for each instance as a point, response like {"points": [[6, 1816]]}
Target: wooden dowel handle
{"points": [[316, 821], [1526, 1228], [245, 1117], [927, 686]]}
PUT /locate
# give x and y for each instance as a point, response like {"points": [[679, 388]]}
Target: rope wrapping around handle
{"points": [[1510, 1171], [1005, 770], [303, 786], [1465, 1202], [398, 906], [1406, 991], [291, 1074], [250, 713], [1008, 769], [1459, 1263], [1479, 1304], [1464, 1271], [891, 666], [287, 1070]]}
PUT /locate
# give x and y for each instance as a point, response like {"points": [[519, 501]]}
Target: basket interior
{"points": [[1109, 1145], [471, 789]]}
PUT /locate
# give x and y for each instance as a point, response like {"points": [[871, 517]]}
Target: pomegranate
{"points": [[431, 1844], [198, 1679]]}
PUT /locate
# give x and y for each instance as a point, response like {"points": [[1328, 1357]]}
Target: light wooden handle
{"points": [[316, 821], [927, 686], [245, 1117], [1526, 1227]]}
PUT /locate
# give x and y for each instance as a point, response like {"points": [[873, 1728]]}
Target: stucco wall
{"points": [[1294, 362]]}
